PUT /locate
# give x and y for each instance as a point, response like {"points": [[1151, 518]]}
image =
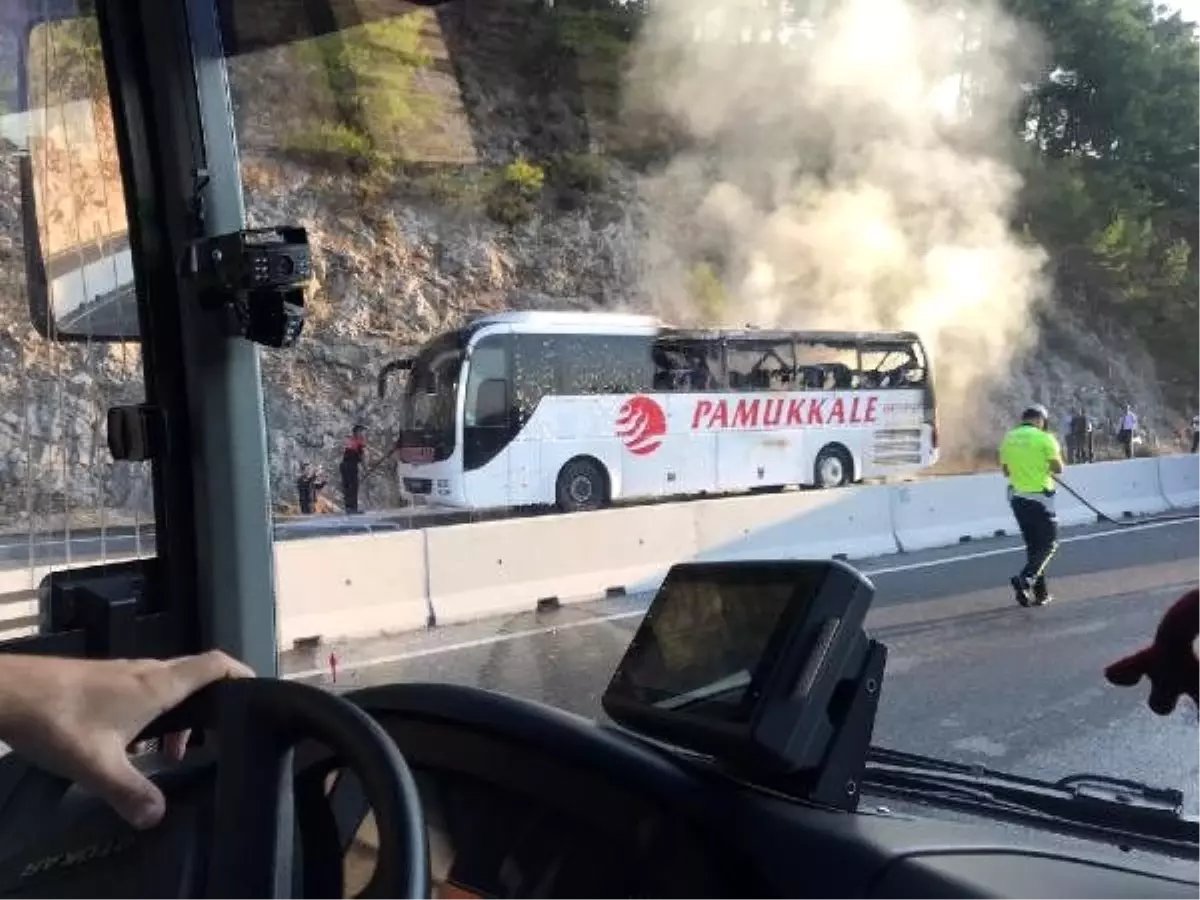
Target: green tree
{"points": [[369, 71], [1112, 130]]}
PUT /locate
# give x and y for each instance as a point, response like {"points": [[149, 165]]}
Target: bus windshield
{"points": [[428, 413]]}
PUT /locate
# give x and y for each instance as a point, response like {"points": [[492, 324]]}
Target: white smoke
{"points": [[843, 170]]}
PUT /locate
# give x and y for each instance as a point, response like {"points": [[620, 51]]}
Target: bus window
{"points": [[535, 371], [892, 365], [826, 367], [687, 365], [758, 365], [488, 418], [604, 364], [488, 365]]}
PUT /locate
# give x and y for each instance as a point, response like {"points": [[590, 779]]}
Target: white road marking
{"points": [[617, 617], [984, 554]]}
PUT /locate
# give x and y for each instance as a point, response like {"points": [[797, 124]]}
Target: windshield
{"points": [[431, 395], [448, 176], [591, 157]]}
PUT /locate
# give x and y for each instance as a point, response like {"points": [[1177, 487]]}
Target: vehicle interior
{"points": [[754, 787]]}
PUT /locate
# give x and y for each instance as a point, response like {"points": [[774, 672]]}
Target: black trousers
{"points": [[350, 482], [1125, 438], [1195, 441], [1081, 448], [1039, 530]]}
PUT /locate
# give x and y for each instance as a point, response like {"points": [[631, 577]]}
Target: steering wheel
{"points": [[229, 829]]}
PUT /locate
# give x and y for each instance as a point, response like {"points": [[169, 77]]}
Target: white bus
{"points": [[582, 409]]}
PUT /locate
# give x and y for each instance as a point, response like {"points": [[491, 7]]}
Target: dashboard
{"points": [[525, 800]]}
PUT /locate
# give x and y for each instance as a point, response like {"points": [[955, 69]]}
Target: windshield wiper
{"points": [[1126, 812]]}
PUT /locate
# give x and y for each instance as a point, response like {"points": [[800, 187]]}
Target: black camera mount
{"points": [[260, 277]]}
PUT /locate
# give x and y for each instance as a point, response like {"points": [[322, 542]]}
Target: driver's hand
{"points": [[76, 718]]}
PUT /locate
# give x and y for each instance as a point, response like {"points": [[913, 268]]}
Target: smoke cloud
{"points": [[843, 170]]}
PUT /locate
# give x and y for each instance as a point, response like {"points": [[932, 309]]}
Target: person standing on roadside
{"points": [[354, 455], [308, 485], [1195, 434], [1080, 447], [1070, 435], [1030, 458], [1129, 424]]}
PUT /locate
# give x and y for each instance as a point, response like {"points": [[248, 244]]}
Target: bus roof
{"points": [[601, 320], [777, 334], [567, 317]]}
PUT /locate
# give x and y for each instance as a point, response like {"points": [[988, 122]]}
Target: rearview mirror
{"points": [[79, 265], [385, 374]]}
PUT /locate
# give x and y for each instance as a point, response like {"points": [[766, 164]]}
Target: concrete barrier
{"points": [[850, 522], [495, 568], [1121, 490], [352, 586], [1179, 478], [947, 511]]}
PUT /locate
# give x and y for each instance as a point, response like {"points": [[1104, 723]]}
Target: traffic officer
{"points": [[1030, 457], [354, 457]]}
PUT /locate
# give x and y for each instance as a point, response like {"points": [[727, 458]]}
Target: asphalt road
{"points": [[971, 676]]}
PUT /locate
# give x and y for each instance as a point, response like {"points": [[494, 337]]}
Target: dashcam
{"points": [[261, 275], [762, 666]]}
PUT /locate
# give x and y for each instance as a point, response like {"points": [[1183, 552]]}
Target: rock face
{"points": [[402, 252]]}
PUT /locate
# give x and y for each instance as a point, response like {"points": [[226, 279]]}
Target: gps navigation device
{"points": [[760, 665]]}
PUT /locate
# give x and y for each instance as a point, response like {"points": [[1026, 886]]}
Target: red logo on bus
{"points": [[641, 424]]}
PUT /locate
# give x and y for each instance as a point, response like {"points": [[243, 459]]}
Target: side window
{"points": [[686, 366], [760, 365], [488, 390], [890, 366], [64, 502], [630, 368], [825, 366], [489, 419], [535, 371], [604, 364]]}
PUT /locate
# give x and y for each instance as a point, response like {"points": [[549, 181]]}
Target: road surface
{"points": [[970, 676]]}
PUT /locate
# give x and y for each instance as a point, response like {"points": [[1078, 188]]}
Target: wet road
{"points": [[970, 675]]}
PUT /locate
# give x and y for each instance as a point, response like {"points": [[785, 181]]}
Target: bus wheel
{"points": [[833, 468], [582, 485]]}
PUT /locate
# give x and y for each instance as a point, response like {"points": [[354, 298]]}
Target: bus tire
{"points": [[833, 468], [582, 486]]}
